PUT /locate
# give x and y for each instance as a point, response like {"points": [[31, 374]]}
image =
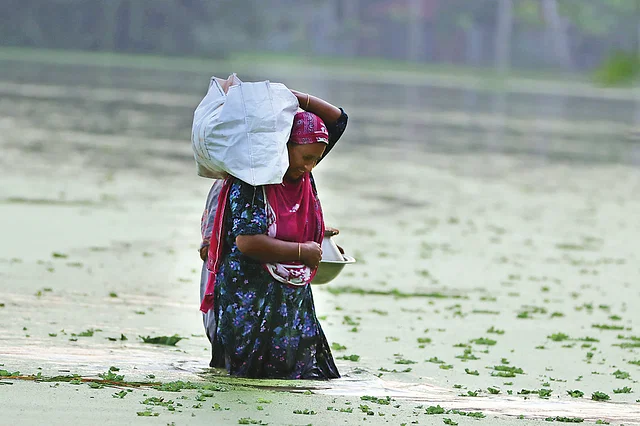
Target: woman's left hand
{"points": [[204, 251]]}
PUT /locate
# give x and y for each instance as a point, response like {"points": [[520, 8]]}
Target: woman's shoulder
{"points": [[238, 183], [240, 189]]}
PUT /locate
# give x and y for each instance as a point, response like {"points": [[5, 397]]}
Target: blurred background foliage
{"points": [[599, 36]]}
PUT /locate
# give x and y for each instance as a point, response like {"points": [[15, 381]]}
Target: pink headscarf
{"points": [[308, 128]]}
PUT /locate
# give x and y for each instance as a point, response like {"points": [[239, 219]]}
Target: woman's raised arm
{"points": [[323, 109]]}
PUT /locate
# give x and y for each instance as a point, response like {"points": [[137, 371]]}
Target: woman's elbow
{"points": [[248, 245]]}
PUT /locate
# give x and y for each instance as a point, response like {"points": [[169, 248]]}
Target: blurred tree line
{"points": [[567, 34]]}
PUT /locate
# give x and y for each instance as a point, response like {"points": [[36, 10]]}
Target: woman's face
{"points": [[303, 158]]}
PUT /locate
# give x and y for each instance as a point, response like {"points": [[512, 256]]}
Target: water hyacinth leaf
{"points": [[558, 337], [600, 396], [435, 410], [484, 341], [618, 374], [162, 340], [338, 347], [353, 357]]}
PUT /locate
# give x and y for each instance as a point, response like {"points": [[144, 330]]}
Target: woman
{"points": [[264, 252]]}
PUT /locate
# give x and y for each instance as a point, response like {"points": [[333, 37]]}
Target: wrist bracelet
{"points": [[298, 251], [307, 106]]}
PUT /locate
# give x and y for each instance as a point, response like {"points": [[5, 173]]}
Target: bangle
{"points": [[298, 251], [306, 107]]}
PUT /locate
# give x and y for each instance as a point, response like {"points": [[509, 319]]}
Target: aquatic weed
{"points": [[484, 341], [349, 321], [404, 361], [381, 401], [558, 337], [406, 370], [353, 357], [473, 414], [338, 347], [176, 386], [608, 326], [510, 370], [147, 413], [544, 393], [250, 421], [435, 410], [467, 355], [366, 409], [110, 376], [162, 340], [599, 396], [122, 393], [394, 292], [565, 419], [628, 345], [621, 374]]}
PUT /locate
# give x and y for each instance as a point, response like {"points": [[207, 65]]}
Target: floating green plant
{"points": [[162, 340], [435, 410], [484, 341], [599, 396], [575, 393]]}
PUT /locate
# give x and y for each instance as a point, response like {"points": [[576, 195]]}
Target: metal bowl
{"points": [[329, 269]]}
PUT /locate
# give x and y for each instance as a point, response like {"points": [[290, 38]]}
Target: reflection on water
{"points": [[152, 104]]}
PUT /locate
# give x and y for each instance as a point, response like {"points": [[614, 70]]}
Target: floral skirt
{"points": [[265, 329]]}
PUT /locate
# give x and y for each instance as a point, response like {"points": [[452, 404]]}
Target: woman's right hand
{"points": [[310, 254]]}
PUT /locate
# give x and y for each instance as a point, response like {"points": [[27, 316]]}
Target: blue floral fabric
{"points": [[264, 329]]}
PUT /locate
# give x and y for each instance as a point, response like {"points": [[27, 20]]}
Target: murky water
{"points": [[502, 167], [159, 104]]}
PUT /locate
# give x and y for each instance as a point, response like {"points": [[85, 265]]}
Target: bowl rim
{"points": [[347, 260]]}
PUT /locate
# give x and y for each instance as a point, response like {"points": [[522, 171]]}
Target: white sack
{"points": [[244, 132]]}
